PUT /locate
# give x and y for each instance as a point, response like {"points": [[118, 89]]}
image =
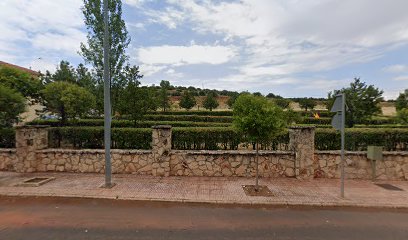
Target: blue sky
{"points": [[294, 48]]}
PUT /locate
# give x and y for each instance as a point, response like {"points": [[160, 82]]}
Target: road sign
{"points": [[338, 122]]}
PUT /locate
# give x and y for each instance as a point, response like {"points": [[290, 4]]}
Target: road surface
{"points": [[57, 218]]}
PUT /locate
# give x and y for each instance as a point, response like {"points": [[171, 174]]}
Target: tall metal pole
{"points": [[107, 102], [343, 120]]}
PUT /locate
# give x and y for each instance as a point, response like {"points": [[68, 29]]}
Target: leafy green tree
{"points": [[67, 100], [258, 94], [362, 101], [65, 72], [259, 120], [232, 99], [12, 104], [307, 103], [187, 101], [210, 101], [119, 40], [402, 100], [402, 116], [137, 101], [84, 78], [164, 95], [281, 102], [20, 81]]}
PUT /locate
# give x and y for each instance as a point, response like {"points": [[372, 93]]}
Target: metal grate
{"points": [[389, 187]]}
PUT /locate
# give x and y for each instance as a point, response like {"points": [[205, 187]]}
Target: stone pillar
{"points": [[29, 139], [301, 141], [161, 150]]}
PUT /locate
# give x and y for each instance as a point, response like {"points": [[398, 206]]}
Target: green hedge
{"points": [[319, 121], [127, 123], [7, 138], [358, 139], [192, 118], [199, 113], [93, 137]]}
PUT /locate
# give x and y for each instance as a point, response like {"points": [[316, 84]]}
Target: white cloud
{"points": [[401, 78], [292, 36], [185, 55], [396, 68]]}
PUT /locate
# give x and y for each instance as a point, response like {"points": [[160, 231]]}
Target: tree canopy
{"points": [[210, 101], [402, 100], [12, 104], [67, 100], [257, 118], [187, 101], [362, 101], [20, 81]]}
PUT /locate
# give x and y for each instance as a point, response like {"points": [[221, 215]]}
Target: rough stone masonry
{"points": [[32, 155]]}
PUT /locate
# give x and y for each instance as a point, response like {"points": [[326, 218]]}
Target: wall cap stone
{"points": [[31, 126], [302, 127], [7, 150], [231, 152], [100, 151], [161, 127], [402, 153]]}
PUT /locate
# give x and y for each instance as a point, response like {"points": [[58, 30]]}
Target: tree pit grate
{"points": [[263, 191], [35, 181]]}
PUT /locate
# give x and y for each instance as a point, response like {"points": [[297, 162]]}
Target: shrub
{"points": [[200, 113], [359, 138], [7, 138], [126, 123], [12, 104]]}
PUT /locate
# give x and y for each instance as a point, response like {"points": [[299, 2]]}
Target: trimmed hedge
{"points": [[93, 137], [126, 123], [199, 113], [225, 138], [7, 138], [358, 139], [193, 118]]}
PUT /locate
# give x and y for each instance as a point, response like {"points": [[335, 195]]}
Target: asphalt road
{"points": [[46, 218]]}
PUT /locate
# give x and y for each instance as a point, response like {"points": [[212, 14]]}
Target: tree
{"points": [[307, 103], [187, 101], [92, 52], [232, 99], [403, 115], [164, 95], [362, 101], [281, 102], [84, 78], [21, 82], [137, 101], [402, 100], [65, 72], [67, 100], [210, 101], [259, 120], [12, 104], [258, 94]]}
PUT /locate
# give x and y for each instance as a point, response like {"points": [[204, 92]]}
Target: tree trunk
{"points": [[257, 173]]}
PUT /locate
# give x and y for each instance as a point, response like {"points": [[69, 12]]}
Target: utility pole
{"points": [[106, 100]]}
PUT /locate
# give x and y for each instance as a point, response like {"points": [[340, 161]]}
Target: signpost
{"points": [[107, 103], [338, 122]]}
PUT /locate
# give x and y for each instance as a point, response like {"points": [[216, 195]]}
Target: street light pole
{"points": [[107, 102]]}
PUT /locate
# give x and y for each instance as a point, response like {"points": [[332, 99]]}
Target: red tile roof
{"points": [[29, 71]]}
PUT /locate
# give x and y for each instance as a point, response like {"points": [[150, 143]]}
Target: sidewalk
{"points": [[287, 191]]}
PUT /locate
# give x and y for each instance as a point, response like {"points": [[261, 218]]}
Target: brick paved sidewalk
{"points": [[317, 192]]}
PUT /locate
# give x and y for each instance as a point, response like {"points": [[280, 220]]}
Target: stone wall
{"points": [[394, 165], [32, 155], [231, 163], [182, 163], [7, 159]]}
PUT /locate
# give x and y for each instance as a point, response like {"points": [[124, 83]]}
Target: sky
{"points": [[294, 48]]}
